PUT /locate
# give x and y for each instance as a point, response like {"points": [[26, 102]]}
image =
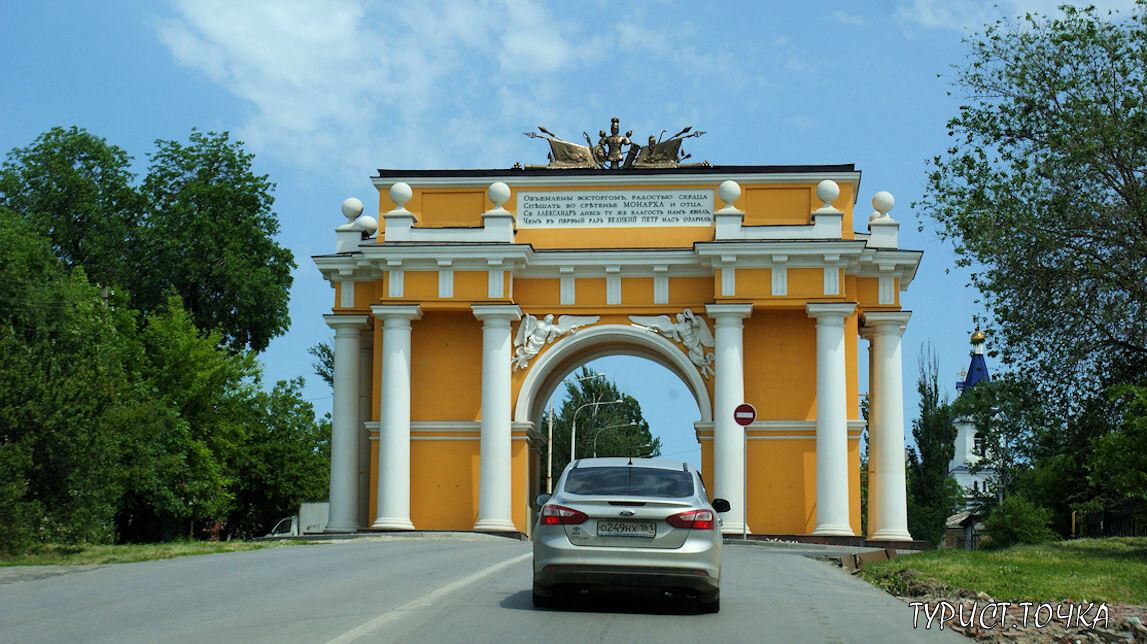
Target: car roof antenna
{"points": [[631, 459]]}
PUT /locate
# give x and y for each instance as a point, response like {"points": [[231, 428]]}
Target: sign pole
{"points": [[744, 415]]}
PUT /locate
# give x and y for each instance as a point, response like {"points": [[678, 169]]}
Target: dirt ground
{"points": [[981, 617]]}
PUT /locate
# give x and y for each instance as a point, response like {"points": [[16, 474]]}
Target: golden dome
{"points": [[978, 337]]}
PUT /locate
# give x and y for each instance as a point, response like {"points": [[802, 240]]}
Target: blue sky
{"points": [[325, 93]]}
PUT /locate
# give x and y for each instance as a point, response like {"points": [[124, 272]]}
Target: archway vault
{"points": [[551, 367]]}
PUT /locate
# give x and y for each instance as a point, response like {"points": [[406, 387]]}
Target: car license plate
{"points": [[626, 528]]}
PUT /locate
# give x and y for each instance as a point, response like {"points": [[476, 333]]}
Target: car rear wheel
{"points": [[541, 601]]}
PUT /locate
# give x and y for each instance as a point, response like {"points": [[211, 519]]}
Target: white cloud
{"points": [[846, 18], [965, 15], [347, 86], [359, 81]]}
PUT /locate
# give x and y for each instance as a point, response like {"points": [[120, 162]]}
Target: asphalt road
{"points": [[457, 589]]}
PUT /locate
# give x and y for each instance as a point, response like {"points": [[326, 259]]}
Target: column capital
{"points": [[346, 322], [388, 312], [828, 310], [507, 312], [884, 322], [728, 312]]}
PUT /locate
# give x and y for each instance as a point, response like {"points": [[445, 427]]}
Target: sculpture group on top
{"points": [[611, 151]]}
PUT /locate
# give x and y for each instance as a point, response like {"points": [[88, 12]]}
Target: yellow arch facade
{"points": [[445, 357]]}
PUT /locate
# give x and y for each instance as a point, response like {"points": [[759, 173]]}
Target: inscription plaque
{"points": [[614, 208]]}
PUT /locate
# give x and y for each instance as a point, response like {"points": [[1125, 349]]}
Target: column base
{"points": [[833, 530], [392, 523], [890, 535], [340, 528], [494, 525]]}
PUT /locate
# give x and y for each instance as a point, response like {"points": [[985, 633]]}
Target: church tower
{"points": [[969, 444]]}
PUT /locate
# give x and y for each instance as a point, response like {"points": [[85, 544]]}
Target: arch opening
{"points": [[567, 354]]}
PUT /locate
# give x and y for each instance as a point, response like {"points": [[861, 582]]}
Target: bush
{"points": [[1018, 520]]}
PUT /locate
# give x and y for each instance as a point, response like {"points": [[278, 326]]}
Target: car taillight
{"points": [[561, 515], [696, 519]]}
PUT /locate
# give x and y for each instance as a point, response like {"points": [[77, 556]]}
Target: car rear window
{"points": [[629, 481]]}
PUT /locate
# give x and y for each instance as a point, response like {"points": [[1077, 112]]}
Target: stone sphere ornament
{"points": [[883, 202], [499, 193], [729, 191], [827, 191], [368, 225], [352, 208], [400, 193]]}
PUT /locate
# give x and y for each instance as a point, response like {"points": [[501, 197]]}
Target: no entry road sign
{"points": [[745, 414]]}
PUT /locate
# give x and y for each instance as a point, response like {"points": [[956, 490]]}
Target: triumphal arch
{"points": [[460, 312]]}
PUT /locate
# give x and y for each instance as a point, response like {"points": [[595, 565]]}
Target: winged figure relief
{"points": [[534, 334], [686, 328]]}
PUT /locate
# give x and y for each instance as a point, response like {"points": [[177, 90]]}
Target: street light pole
{"points": [[550, 442], [573, 425], [598, 433]]}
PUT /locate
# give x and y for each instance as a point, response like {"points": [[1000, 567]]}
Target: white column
{"points": [[394, 422], [728, 392], [886, 431], [365, 397], [494, 464], [831, 419], [343, 516]]}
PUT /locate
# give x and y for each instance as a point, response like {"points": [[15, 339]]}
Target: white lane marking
{"points": [[424, 601]]}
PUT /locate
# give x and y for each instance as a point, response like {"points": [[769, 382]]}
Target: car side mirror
{"points": [[721, 505], [541, 500]]}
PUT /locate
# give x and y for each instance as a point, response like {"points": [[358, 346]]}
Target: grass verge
{"points": [[1098, 570], [74, 555]]}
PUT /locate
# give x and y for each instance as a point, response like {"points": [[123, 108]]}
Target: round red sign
{"points": [[745, 414]]}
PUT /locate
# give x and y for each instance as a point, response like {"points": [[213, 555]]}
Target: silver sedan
{"points": [[629, 523]]}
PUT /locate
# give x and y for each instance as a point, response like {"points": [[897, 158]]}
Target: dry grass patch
{"points": [[74, 555]]}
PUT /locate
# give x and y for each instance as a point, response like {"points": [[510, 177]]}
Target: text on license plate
{"points": [[626, 528]]}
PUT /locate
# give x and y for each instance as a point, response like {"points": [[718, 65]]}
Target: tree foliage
{"points": [[77, 189], [127, 423], [1043, 191], [211, 229], [1017, 521], [608, 430], [933, 496], [1008, 414], [1044, 195], [200, 225]]}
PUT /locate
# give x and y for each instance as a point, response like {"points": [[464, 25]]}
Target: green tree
{"points": [[933, 496], [1043, 193], [283, 462], [324, 364], [1117, 462], [186, 462], [1007, 413], [200, 226], [1017, 521], [62, 387], [77, 189], [211, 229], [609, 429]]}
